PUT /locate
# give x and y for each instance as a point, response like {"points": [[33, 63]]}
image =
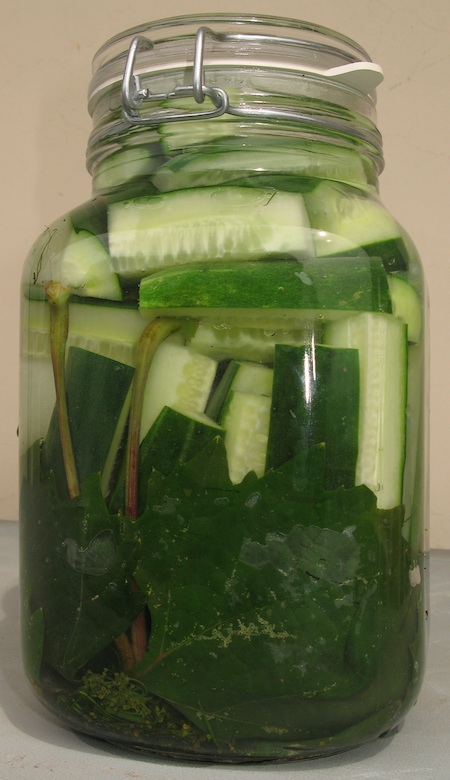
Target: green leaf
{"points": [[254, 598], [79, 568]]}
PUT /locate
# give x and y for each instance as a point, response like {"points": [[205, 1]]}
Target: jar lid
{"points": [[198, 43]]}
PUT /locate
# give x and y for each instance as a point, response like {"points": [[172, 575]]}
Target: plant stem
{"points": [[58, 298], [125, 650], [154, 334]]}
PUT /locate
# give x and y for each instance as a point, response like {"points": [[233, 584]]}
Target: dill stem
{"points": [[58, 298]]}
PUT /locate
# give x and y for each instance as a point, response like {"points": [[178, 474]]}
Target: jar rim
{"points": [[266, 35]]}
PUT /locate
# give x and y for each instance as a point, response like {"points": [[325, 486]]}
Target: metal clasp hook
{"points": [[134, 95]]}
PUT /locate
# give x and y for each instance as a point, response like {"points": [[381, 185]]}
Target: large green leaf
{"points": [[78, 568], [274, 603], [254, 598]]}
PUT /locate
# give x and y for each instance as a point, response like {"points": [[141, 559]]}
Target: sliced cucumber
{"points": [[223, 341], [406, 306], [124, 166], [316, 400], [253, 378], [111, 331], [414, 476], [345, 220], [242, 403], [280, 287], [382, 344], [179, 136], [209, 224], [305, 159], [174, 438], [39, 397], [97, 390], [77, 260], [179, 377], [242, 377], [246, 422]]}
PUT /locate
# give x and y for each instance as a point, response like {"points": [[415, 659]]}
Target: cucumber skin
{"points": [[243, 377], [173, 439], [353, 284], [219, 394], [349, 216], [222, 167], [97, 388], [315, 401], [406, 306]]}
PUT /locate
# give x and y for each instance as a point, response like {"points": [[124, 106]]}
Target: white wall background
{"points": [[46, 48]]}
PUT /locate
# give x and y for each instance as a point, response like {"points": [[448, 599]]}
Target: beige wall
{"points": [[45, 52]]}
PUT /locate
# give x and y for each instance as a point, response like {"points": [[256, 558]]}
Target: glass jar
{"points": [[223, 479]]}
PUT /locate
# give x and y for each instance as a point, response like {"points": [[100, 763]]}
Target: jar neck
{"points": [[187, 91]]}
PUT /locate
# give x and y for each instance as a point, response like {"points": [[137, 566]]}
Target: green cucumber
{"points": [[179, 136], [299, 160], [37, 378], [414, 473], [381, 341], [281, 287], [173, 439], [151, 233], [245, 418], [92, 216], [127, 165], [345, 220], [178, 377], [97, 390], [112, 331], [406, 306], [315, 401], [242, 404], [86, 268], [222, 340], [77, 260], [242, 377]]}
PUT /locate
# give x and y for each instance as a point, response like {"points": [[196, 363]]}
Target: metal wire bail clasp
{"points": [[134, 96]]}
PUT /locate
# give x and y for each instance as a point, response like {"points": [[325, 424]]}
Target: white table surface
{"points": [[35, 745]]}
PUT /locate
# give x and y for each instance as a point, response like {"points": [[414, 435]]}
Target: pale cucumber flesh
{"points": [[381, 341], [209, 224], [246, 423], [179, 377], [76, 260]]}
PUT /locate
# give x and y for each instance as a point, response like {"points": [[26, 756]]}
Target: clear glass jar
{"points": [[223, 478]]}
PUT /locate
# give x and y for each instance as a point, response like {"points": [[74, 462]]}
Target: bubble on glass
{"points": [[304, 277], [253, 500], [222, 501], [96, 559]]}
